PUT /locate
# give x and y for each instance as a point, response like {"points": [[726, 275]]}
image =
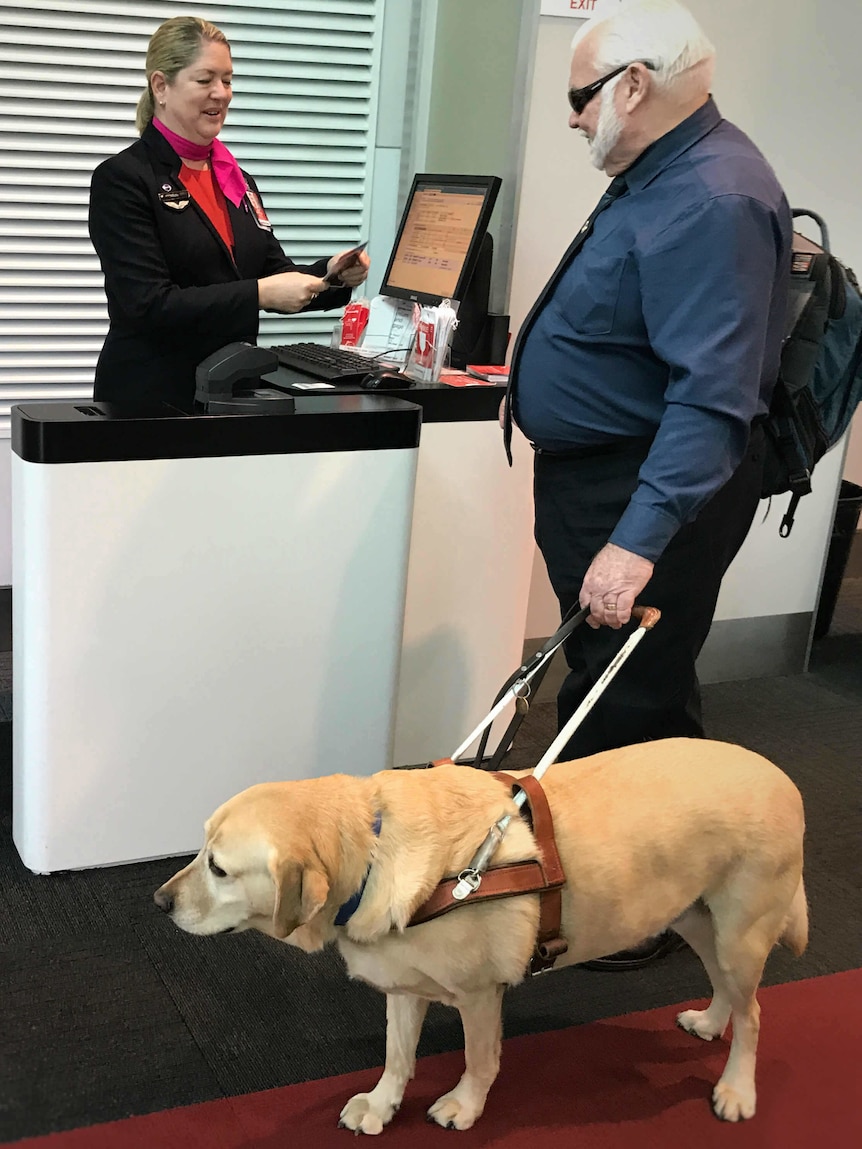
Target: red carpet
{"points": [[631, 1081]]}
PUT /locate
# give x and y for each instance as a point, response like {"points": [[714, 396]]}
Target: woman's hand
{"points": [[289, 291], [355, 273]]}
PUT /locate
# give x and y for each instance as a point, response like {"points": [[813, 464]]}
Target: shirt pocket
{"points": [[589, 294]]}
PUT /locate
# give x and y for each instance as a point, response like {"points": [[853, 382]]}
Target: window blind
{"points": [[301, 121]]}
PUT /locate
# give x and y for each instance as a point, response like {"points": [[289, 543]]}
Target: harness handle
{"points": [[533, 670], [530, 675]]}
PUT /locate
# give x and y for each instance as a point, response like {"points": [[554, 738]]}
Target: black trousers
{"points": [[578, 502]]}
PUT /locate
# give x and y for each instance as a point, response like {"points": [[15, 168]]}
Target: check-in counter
{"points": [[200, 603], [468, 580]]}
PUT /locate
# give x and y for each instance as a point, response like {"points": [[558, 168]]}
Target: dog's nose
{"points": [[163, 901]]}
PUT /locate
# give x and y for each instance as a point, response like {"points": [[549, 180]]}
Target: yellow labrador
{"points": [[703, 836]]}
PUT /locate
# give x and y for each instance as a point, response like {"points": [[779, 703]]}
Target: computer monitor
{"points": [[439, 237]]}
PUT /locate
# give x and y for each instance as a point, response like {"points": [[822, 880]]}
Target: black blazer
{"points": [[175, 293]]}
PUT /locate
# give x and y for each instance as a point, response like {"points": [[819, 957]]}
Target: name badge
{"points": [[175, 198], [257, 210]]}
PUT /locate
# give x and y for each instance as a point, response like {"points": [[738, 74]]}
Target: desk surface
{"points": [[440, 402]]}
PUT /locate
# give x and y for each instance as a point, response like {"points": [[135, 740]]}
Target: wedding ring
{"points": [[610, 606]]}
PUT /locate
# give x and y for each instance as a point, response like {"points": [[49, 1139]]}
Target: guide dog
{"points": [[701, 836]]}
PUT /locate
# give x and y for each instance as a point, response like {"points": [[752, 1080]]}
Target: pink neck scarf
{"points": [[225, 168]]}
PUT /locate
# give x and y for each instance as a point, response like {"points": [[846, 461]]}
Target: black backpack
{"points": [[820, 378]]}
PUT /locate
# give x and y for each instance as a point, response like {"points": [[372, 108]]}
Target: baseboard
{"points": [[5, 618], [854, 563], [739, 648]]}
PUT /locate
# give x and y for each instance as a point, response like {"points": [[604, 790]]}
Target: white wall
{"points": [[786, 74], [853, 462]]}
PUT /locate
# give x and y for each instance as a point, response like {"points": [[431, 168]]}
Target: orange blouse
{"points": [[208, 195]]}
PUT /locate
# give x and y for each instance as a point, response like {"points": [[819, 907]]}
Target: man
{"points": [[641, 371]]}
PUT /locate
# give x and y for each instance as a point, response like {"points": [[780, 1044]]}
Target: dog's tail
{"points": [[794, 934]]}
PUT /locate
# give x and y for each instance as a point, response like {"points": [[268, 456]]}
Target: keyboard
{"points": [[329, 364]]}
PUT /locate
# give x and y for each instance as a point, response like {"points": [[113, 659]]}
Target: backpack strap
{"points": [[786, 525]]}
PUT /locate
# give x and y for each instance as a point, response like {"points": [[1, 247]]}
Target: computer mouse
{"points": [[385, 381]]}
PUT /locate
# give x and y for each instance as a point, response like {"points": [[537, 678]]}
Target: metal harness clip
{"points": [[468, 881]]}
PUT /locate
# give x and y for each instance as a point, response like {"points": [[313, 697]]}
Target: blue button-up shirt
{"points": [[668, 321]]}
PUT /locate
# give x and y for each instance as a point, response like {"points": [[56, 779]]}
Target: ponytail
{"points": [[146, 110]]}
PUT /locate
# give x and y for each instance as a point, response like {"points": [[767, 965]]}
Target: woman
{"points": [[187, 251]]}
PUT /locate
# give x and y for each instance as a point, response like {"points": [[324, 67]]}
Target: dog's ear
{"points": [[300, 894]]}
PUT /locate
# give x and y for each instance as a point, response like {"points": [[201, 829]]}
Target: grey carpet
{"points": [[109, 1011]]}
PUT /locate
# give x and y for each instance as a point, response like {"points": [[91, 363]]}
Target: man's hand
{"points": [[615, 579]]}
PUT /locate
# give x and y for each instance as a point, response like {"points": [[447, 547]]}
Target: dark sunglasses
{"points": [[580, 97]]}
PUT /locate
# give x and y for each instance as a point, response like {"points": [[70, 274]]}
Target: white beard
{"points": [[608, 129]]}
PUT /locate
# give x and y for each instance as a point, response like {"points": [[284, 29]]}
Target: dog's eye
{"points": [[217, 870]]}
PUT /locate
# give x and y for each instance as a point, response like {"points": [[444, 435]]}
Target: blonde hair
{"points": [[174, 45]]}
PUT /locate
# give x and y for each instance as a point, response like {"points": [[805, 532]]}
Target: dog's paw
{"points": [[452, 1113], [362, 1115], [699, 1022], [731, 1104]]}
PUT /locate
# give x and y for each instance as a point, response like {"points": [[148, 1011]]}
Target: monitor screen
{"points": [[439, 237]]}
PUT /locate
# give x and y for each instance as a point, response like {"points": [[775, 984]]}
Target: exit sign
{"points": [[581, 9]]}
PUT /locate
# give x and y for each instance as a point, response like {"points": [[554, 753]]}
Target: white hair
{"points": [[662, 32]]}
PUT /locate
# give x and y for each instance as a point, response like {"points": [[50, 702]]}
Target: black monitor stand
{"points": [[479, 336]]}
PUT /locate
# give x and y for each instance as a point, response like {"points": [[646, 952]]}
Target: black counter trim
{"points": [[440, 403], [443, 404], [101, 432]]}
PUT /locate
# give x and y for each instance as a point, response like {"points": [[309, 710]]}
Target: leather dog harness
{"points": [[543, 876]]}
